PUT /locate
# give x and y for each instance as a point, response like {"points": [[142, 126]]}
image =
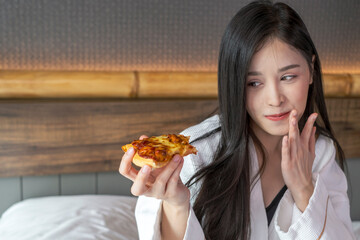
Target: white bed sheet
{"points": [[76, 217], [71, 217]]}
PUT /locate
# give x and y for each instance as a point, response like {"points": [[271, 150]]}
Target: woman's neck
{"points": [[271, 143]]}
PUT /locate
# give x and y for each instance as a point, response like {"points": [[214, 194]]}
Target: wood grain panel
{"points": [[46, 137], [175, 84], [344, 116], [57, 84], [355, 85], [52, 137], [337, 85]]}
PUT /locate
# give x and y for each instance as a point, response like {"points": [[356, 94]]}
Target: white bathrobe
{"points": [[326, 217]]}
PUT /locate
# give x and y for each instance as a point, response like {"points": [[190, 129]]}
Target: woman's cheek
{"points": [[298, 92]]}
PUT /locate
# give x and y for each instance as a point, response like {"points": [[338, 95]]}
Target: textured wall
{"points": [[154, 35]]}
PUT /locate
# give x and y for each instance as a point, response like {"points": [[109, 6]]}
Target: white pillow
{"points": [[71, 217]]}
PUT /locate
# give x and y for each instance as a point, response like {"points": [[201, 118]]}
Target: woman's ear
{"points": [[313, 61], [312, 68]]}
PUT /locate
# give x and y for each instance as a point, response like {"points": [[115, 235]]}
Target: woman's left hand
{"points": [[298, 154]]}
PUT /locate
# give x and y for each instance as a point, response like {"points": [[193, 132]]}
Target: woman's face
{"points": [[278, 81]]}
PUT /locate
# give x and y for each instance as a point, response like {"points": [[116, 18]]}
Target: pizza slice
{"points": [[157, 151]]}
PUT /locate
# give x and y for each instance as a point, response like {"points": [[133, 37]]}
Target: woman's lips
{"points": [[278, 117]]}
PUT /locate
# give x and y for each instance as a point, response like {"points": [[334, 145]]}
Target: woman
{"points": [[266, 166]]}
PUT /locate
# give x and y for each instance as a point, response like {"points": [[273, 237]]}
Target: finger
{"points": [[293, 134], [174, 179], [142, 137], [125, 167], [292, 116], [163, 178], [312, 142], [308, 129], [139, 187], [285, 149]]}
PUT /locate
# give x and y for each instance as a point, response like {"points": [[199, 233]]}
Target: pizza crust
{"points": [[140, 162]]}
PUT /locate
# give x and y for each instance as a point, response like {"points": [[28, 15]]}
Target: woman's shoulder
{"points": [[200, 130], [205, 137], [324, 152], [205, 144]]}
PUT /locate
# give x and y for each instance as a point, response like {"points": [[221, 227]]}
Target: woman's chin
{"points": [[279, 132]]}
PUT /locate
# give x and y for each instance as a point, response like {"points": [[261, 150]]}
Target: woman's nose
{"points": [[275, 96]]}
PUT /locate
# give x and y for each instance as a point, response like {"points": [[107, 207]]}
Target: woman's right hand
{"points": [[161, 183]]}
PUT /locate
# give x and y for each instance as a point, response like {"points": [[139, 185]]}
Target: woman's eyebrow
{"points": [[255, 73], [288, 67]]}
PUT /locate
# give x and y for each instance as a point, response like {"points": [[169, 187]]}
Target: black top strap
{"points": [[270, 210]]}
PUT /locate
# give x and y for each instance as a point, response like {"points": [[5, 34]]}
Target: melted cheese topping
{"points": [[164, 147]]}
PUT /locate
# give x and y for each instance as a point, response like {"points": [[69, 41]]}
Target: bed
{"points": [[76, 217], [60, 150], [71, 217]]}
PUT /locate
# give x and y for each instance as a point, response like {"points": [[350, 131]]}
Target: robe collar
{"points": [[258, 219]]}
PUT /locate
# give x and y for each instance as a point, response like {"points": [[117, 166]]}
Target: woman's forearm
{"points": [[174, 220]]}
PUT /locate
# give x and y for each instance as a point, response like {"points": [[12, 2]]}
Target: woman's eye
{"points": [[253, 84], [288, 77]]}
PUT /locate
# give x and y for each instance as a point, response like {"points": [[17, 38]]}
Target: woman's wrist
{"points": [[174, 220], [177, 208], [303, 196]]}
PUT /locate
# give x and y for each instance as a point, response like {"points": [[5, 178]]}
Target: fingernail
{"points": [[285, 140], [176, 158], [315, 116], [294, 113], [293, 122], [130, 151], [145, 169]]}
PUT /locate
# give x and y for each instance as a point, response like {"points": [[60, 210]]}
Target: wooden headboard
{"points": [[72, 122]]}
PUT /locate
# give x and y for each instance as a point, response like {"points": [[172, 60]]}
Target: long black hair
{"points": [[223, 201]]}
